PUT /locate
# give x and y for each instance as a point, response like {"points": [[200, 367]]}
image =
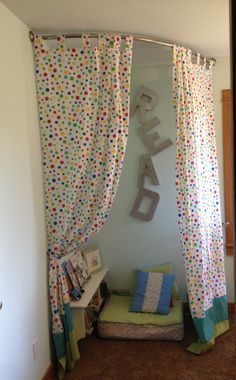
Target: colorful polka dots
{"points": [[197, 183], [83, 99]]}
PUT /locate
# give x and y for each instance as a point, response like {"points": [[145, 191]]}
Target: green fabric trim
{"points": [[68, 362], [221, 328], [66, 348], [211, 326], [199, 348], [61, 368], [216, 314], [117, 311]]}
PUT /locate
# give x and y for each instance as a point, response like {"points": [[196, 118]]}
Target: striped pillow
{"points": [[152, 292]]}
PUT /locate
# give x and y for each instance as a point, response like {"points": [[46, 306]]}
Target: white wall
{"points": [[222, 81], [23, 270]]}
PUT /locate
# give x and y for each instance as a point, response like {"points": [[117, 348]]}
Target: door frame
{"points": [[233, 86]]}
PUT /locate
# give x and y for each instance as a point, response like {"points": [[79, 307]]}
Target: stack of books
{"points": [[77, 275], [89, 319]]}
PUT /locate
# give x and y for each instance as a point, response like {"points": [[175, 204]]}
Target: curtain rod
{"points": [[136, 37]]}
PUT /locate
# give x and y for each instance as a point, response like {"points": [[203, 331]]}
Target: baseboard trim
{"points": [[49, 373], [231, 307]]}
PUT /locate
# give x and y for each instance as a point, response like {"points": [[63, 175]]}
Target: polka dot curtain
{"points": [[83, 97], [198, 198]]}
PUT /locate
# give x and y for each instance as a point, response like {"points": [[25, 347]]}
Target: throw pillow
{"points": [[152, 292], [166, 268]]}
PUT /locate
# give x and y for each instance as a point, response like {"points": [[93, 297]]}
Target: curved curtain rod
{"points": [[136, 37]]}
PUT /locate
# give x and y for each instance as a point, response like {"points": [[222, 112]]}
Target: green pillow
{"points": [[166, 268]]}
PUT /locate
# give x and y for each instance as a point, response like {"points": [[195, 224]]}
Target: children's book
{"points": [[80, 268], [72, 283], [83, 266], [71, 273], [68, 281]]}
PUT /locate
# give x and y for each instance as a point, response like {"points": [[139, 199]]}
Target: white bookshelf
{"points": [[79, 306], [90, 289]]}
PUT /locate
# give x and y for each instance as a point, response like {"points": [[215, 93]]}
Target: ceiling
{"points": [[201, 25]]}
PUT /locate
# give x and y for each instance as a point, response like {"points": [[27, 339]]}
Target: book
{"points": [[71, 273], [83, 266], [68, 281], [97, 300], [73, 286], [88, 321], [77, 270], [80, 268]]}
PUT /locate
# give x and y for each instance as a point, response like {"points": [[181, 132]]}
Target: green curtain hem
{"points": [[200, 348], [66, 347], [221, 328], [66, 363], [61, 367]]}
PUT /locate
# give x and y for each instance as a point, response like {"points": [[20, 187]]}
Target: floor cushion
{"points": [[117, 322]]}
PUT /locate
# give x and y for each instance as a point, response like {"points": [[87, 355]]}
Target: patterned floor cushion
{"points": [[116, 322]]}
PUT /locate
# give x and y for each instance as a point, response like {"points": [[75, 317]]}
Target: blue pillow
{"points": [[152, 292]]}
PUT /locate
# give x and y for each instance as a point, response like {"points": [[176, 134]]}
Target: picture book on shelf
{"points": [[83, 266], [77, 271], [73, 286], [80, 268], [71, 273], [77, 289], [68, 281]]}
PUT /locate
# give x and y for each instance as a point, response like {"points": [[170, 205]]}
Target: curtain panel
{"points": [[198, 198], [83, 100]]}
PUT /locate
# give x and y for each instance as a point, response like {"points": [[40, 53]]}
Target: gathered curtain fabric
{"points": [[198, 197], [83, 101]]}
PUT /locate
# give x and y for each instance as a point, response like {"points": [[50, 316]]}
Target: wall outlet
{"points": [[35, 347]]}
